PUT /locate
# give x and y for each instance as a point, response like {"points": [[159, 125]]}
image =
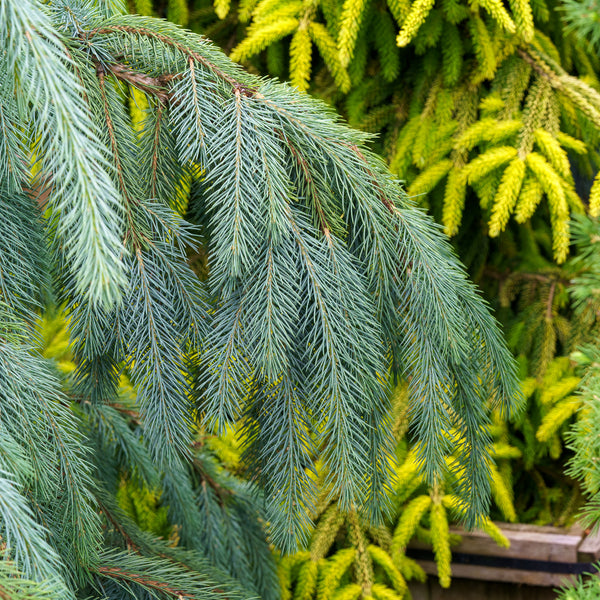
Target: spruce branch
{"points": [[145, 581], [83, 200], [323, 282], [169, 41]]}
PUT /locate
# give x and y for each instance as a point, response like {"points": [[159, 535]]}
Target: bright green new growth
{"points": [[455, 89], [323, 282], [348, 554]]}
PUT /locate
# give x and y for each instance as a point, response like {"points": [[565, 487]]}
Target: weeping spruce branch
{"points": [[323, 284]]}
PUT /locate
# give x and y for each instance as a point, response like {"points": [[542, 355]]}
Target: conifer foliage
{"points": [[323, 282], [482, 104], [348, 557], [583, 437]]}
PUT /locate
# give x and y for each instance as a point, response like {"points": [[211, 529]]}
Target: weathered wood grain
{"points": [[496, 574], [467, 589], [526, 541], [589, 549]]}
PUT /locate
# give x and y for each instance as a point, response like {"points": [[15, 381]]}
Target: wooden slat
{"points": [[573, 530], [528, 542], [499, 574], [589, 549], [470, 589], [418, 590], [525, 542]]}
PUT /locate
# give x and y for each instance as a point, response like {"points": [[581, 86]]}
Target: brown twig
{"points": [[550, 301], [244, 89], [131, 545], [222, 493], [531, 61], [160, 586], [101, 74], [389, 204], [323, 225], [151, 85], [159, 116]]}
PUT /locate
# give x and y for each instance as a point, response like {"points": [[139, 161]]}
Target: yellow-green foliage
{"points": [[349, 26], [506, 197], [529, 198], [143, 7], [502, 495], [487, 162], [571, 143], [177, 11], [138, 104], [268, 11], [419, 11], [389, 55], [306, 583], [326, 531], [399, 9], [284, 574], [300, 58], [486, 188], [499, 13], [383, 559], [487, 130], [541, 329], [555, 155], [429, 178], [595, 198], [55, 337], [407, 524], [407, 478], [559, 209], [523, 16], [554, 391], [556, 417], [454, 202], [551, 405], [450, 86], [363, 564], [380, 592], [332, 573], [529, 451], [483, 48], [328, 50], [556, 402], [452, 54], [143, 506], [440, 538], [410, 569], [260, 38], [226, 448], [489, 527], [222, 8], [504, 451], [350, 559], [352, 591]]}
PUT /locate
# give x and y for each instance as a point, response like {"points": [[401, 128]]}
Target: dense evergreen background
{"points": [[489, 112], [178, 459]]}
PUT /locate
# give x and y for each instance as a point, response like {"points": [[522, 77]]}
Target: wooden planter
{"points": [[541, 556]]}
